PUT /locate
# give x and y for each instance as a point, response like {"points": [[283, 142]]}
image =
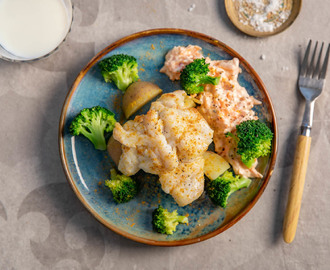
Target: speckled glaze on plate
{"points": [[87, 168]]}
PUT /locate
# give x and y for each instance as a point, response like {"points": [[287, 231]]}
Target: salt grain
{"points": [[192, 7]]}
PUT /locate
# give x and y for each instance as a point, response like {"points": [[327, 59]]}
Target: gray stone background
{"points": [[44, 226]]}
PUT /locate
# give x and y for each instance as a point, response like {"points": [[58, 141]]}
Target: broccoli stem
{"points": [[239, 184], [174, 217], [113, 173], [182, 219], [96, 137], [249, 163], [121, 79], [210, 80]]}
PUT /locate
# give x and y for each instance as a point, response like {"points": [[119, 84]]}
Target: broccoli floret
{"points": [[93, 123], [254, 140], [222, 187], [121, 69], [194, 76], [123, 188], [165, 222]]}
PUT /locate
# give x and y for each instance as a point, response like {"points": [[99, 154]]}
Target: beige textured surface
{"points": [[44, 226]]}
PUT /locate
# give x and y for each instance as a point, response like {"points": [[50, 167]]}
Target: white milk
{"points": [[32, 28]]}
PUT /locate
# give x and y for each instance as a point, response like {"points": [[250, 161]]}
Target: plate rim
{"points": [[122, 41]]}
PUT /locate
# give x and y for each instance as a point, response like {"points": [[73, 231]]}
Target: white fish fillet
{"points": [[168, 141]]}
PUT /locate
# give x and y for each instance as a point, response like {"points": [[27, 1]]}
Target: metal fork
{"points": [[311, 83]]}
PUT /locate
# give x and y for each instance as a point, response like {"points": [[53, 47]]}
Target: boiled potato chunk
{"points": [[189, 102], [214, 165], [114, 150], [137, 95]]}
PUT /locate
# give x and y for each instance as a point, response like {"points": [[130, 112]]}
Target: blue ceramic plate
{"points": [[87, 168]]}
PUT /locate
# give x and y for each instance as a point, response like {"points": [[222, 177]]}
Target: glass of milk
{"points": [[33, 29]]}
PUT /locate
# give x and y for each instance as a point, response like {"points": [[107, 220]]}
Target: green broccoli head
{"points": [[222, 187], [121, 69], [165, 222], [254, 140], [123, 188], [93, 123], [194, 76]]}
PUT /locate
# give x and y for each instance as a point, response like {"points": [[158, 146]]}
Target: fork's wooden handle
{"points": [[296, 188]]}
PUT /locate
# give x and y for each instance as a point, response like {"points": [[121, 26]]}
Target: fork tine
{"points": [[311, 64], [318, 64], [325, 64], [304, 64]]}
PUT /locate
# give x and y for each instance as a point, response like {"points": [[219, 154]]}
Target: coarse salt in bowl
{"points": [[262, 18]]}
